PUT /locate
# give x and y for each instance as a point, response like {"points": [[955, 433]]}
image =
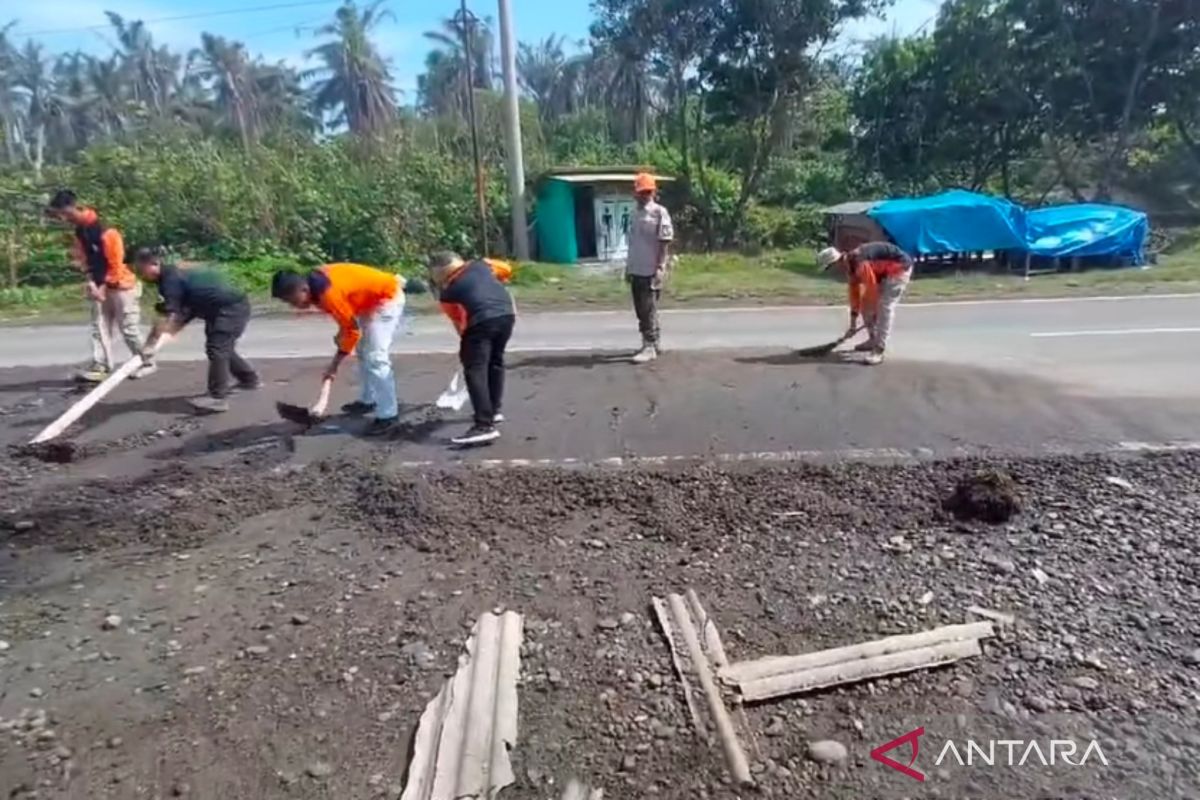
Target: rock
{"points": [[319, 770], [1041, 577], [596, 544], [114, 743], [828, 751], [1193, 658], [419, 654], [257, 650], [375, 780], [1119, 482], [629, 763], [35, 693], [1039, 703], [1086, 683], [555, 676], [608, 624], [628, 618], [24, 525], [4, 646], [180, 789], [776, 727], [300, 619], [111, 623], [926, 599], [660, 730], [999, 564]]}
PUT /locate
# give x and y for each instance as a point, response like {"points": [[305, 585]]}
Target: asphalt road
{"points": [[1145, 346], [964, 379]]}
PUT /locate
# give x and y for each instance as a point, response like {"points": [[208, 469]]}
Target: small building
{"points": [[584, 213], [849, 224]]}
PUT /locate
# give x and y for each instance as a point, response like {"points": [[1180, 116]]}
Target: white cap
{"points": [[828, 257]]}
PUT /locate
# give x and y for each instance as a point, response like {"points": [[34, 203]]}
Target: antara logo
{"points": [[992, 752]]}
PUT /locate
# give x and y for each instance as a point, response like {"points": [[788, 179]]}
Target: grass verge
{"points": [[770, 279]]}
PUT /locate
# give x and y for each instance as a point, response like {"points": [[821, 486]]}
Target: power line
{"points": [[181, 17]]}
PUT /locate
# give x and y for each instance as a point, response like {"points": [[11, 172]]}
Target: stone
{"points": [[319, 770], [24, 525], [555, 676], [1193, 658], [257, 650], [1041, 577], [1039, 703], [111, 623], [608, 624], [828, 751], [419, 654], [4, 646], [300, 619], [628, 618], [1086, 683], [629, 763], [776, 727]]}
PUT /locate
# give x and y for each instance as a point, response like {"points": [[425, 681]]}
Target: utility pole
{"points": [[512, 134], [466, 21]]}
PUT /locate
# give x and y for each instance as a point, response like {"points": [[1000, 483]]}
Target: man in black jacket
{"points": [[204, 293]]}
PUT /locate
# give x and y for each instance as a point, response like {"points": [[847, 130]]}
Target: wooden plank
{"points": [[747, 671], [84, 404], [805, 680], [664, 622], [735, 756]]}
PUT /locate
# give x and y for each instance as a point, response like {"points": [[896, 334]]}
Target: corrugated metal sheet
{"points": [[851, 207], [467, 730], [604, 177]]}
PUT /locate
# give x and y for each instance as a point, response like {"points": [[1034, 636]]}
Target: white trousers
{"points": [[379, 330]]}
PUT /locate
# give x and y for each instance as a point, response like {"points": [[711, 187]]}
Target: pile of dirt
{"points": [[987, 496]]}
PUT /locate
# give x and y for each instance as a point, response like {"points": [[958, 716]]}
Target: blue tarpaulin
{"points": [[1087, 229], [965, 222], [952, 222]]}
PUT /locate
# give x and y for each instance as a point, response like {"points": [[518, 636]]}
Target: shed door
{"points": [[614, 218]]}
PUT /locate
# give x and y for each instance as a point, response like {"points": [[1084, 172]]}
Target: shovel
{"points": [[829, 347], [307, 416], [455, 396]]}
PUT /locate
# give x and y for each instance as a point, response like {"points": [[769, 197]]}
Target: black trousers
{"points": [[221, 333], [646, 292], [482, 354]]}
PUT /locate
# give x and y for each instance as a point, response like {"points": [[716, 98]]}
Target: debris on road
{"points": [[579, 791], [678, 620], [987, 496], [466, 732], [999, 617], [777, 676]]}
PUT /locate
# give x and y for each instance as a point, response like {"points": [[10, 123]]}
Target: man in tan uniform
{"points": [[650, 236]]}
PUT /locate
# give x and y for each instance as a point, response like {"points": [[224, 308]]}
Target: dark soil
{"points": [[987, 496], [274, 621]]}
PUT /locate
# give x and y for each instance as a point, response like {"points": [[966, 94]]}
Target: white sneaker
{"points": [[873, 359], [497, 419], [645, 355]]}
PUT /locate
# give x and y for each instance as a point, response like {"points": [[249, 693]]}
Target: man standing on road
{"points": [[203, 293], [877, 274], [111, 286], [650, 237], [474, 298], [368, 306]]}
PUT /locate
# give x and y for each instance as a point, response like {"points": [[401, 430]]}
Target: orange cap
{"points": [[644, 182]]}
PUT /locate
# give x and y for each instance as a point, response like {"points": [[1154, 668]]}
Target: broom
{"points": [[828, 347]]}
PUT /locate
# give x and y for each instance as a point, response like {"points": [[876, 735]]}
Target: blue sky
{"points": [[285, 33]]}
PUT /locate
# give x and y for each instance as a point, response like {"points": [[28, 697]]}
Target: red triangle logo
{"points": [[911, 738]]}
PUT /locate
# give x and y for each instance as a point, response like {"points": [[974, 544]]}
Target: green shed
{"points": [[584, 214]]}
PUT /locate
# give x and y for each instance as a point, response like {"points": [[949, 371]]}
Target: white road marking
{"points": [[888, 454], [1112, 332]]}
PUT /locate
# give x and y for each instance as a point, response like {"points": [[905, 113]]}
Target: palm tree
{"points": [[153, 72], [225, 71], [33, 81], [355, 81], [439, 89], [107, 92], [12, 103], [280, 95], [449, 40], [549, 76]]}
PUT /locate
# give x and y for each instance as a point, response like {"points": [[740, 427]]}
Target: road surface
{"points": [[1144, 346], [965, 378]]}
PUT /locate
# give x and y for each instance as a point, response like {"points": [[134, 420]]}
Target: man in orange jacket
{"points": [[877, 274], [111, 286], [473, 296], [368, 306]]}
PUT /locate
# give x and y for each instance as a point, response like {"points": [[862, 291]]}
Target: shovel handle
{"points": [[323, 398]]}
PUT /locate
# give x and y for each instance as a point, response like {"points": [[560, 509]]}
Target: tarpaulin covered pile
{"points": [[965, 222], [1087, 229]]}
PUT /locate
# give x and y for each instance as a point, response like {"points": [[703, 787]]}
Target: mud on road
{"points": [[274, 630]]}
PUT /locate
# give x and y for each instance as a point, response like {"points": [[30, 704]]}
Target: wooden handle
{"points": [[323, 398], [90, 399]]}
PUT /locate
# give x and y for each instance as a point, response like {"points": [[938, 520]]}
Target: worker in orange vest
{"points": [[368, 306], [111, 286]]}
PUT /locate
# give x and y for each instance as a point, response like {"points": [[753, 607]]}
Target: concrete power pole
{"points": [[512, 132]]}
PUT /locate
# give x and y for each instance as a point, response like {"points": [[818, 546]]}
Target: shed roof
{"points": [[851, 207], [614, 173]]}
